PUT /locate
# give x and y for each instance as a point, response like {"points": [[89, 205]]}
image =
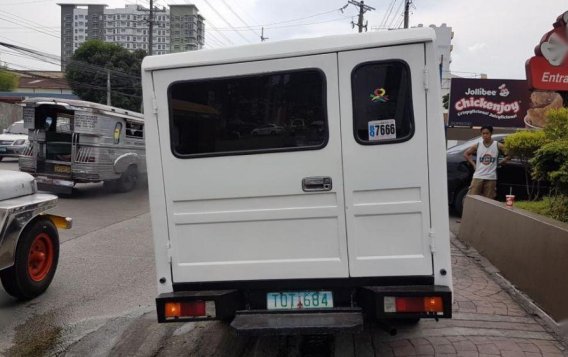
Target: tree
{"points": [[88, 69], [8, 81]]}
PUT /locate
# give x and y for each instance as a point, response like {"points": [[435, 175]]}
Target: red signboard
{"points": [[548, 70]]}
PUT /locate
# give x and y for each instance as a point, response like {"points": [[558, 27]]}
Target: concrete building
{"points": [[444, 36], [186, 26], [129, 28]]}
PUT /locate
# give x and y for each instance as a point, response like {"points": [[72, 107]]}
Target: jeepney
{"points": [[29, 241], [74, 141]]}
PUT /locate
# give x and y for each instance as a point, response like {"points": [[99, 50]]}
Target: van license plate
{"points": [[62, 169], [296, 300]]}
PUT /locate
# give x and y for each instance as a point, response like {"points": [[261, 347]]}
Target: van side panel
{"points": [[156, 189], [438, 173]]}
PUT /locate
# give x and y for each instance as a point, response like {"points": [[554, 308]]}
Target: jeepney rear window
{"points": [[382, 103], [272, 112]]}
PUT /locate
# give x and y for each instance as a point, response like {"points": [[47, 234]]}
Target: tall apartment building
{"points": [[179, 28]]}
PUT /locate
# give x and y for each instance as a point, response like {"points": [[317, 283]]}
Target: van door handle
{"points": [[316, 183]]}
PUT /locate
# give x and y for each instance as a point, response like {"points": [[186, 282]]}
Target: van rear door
{"points": [[385, 158], [248, 195]]}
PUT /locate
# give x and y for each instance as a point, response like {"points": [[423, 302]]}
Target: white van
{"points": [[304, 230]]}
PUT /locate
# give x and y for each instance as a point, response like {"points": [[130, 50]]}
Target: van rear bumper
{"points": [[249, 307]]}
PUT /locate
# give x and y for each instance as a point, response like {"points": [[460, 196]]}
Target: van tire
{"points": [[128, 179], [458, 201], [27, 279]]}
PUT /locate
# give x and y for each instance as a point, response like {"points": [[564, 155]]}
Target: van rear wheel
{"points": [[37, 255]]}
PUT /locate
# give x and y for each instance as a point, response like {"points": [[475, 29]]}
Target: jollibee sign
{"points": [[548, 69], [496, 102]]}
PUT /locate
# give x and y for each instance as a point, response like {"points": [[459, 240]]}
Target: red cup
{"points": [[510, 200]]}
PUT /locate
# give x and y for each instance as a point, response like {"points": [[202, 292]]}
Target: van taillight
{"points": [[422, 304], [173, 310]]}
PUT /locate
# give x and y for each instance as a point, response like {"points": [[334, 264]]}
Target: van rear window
{"points": [[382, 103], [270, 112]]}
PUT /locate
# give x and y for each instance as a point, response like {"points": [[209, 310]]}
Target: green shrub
{"points": [[557, 124], [550, 162], [523, 144]]}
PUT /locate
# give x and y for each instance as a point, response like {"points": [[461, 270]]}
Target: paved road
{"points": [[101, 304], [106, 269]]}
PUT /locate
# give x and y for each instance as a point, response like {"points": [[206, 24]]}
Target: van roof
{"points": [[288, 48], [73, 104]]}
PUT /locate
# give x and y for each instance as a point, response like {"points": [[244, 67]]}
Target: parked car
{"points": [[13, 140], [268, 129], [511, 177]]}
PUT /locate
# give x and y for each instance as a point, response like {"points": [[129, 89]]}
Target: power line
{"points": [[293, 25], [79, 84], [31, 28], [238, 17], [224, 20], [23, 22], [220, 33], [26, 2], [388, 13], [56, 60], [394, 18]]}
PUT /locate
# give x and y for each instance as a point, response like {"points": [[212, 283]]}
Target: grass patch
{"points": [[540, 207], [554, 207]]}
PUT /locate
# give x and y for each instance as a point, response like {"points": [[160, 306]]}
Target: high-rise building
{"points": [[179, 28]]}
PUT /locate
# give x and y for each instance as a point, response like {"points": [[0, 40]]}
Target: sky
{"points": [[493, 37]]}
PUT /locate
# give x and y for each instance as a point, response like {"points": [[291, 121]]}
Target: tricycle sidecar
{"points": [[29, 240]]}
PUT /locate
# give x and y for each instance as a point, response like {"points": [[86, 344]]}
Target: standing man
{"points": [[484, 180]]}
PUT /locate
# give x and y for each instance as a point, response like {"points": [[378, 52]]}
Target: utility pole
{"points": [[406, 10], [151, 28], [362, 10], [151, 24], [108, 87], [262, 38]]}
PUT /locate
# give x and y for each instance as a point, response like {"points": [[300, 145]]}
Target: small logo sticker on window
{"points": [[379, 95], [117, 130], [382, 129]]}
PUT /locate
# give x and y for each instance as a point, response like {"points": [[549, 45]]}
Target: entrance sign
{"points": [[548, 69]]}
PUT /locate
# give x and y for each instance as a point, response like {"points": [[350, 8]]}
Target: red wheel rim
{"points": [[40, 258]]}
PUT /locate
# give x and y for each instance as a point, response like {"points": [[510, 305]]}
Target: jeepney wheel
{"points": [[37, 255], [127, 180]]}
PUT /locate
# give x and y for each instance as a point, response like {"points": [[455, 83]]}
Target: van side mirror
{"points": [[4, 131]]}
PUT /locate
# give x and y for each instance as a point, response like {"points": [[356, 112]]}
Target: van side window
{"points": [[382, 103], [272, 112], [134, 130]]}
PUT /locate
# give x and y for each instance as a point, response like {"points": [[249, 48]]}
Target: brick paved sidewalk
{"points": [[487, 321]]}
